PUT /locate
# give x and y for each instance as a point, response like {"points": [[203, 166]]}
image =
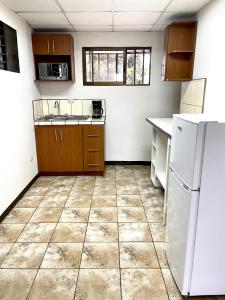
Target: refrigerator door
{"points": [[187, 150], [181, 227]]}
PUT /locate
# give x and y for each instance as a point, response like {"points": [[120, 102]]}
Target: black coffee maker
{"points": [[97, 109]]}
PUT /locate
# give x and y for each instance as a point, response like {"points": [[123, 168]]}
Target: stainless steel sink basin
{"points": [[65, 118]]}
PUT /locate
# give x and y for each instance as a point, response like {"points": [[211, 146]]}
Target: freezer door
{"points": [[187, 150], [181, 227]]}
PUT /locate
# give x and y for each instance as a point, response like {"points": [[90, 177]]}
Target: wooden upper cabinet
{"points": [[52, 44], [179, 51]]}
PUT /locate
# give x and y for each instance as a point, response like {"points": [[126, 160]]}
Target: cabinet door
{"points": [[72, 148], [41, 44], [93, 136], [49, 149], [61, 44]]}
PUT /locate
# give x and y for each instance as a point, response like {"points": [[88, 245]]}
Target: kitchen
{"points": [[101, 205]]}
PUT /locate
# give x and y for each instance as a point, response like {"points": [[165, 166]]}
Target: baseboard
{"points": [[118, 162], [10, 207]]}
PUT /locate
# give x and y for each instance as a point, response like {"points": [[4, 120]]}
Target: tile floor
{"points": [[87, 238]]}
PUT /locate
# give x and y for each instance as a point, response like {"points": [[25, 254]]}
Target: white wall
{"points": [[209, 57], [128, 135], [17, 131]]}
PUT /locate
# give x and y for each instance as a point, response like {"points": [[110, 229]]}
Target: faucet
{"points": [[56, 105]]}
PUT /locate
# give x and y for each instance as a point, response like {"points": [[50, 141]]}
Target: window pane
{"points": [[146, 66], [88, 66], [139, 67], [119, 74], [130, 69], [96, 67], [102, 67]]}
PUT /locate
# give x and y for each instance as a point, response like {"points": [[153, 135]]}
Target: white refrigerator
{"points": [[196, 205]]}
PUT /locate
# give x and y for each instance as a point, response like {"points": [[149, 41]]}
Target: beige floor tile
{"points": [[4, 249], [106, 189], [78, 201], [138, 255], [37, 191], [98, 284], [89, 180], [19, 215], [25, 255], [143, 284], [125, 173], [149, 191], [69, 233], [15, 284], [85, 190], [105, 180], [54, 285], [131, 214], [29, 201], [103, 214], [129, 200], [171, 287], [153, 201], [101, 201], [134, 232], [142, 174], [154, 214], [62, 181], [53, 201], [144, 180], [102, 232], [10, 232], [100, 255], [48, 179], [127, 189], [37, 232], [58, 191], [110, 174], [161, 253], [74, 215], [46, 214], [126, 181], [158, 232], [62, 255]]}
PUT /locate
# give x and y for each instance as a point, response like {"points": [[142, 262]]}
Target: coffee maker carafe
{"points": [[97, 109]]}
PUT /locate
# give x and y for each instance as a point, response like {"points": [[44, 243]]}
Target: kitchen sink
{"points": [[64, 118]]}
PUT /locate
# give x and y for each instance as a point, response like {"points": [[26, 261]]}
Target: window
{"points": [[8, 49], [116, 66]]}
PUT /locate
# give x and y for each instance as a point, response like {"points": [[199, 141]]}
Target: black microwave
{"points": [[53, 71]]}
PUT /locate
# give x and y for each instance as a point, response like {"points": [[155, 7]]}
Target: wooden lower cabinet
{"points": [[93, 137], [71, 148]]}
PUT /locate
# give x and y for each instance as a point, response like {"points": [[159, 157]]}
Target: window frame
{"points": [[114, 83]]}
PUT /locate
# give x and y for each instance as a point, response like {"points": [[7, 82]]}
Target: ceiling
{"points": [[104, 15]]}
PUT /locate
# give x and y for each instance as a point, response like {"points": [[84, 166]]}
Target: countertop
{"points": [[70, 122], [163, 124]]}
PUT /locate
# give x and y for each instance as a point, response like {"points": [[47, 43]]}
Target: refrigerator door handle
{"points": [[182, 185]]}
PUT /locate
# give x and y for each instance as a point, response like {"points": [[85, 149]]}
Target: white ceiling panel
{"points": [[135, 18], [140, 5], [45, 18], [132, 28], [90, 18], [86, 5], [32, 5], [93, 28], [48, 28], [186, 6]]}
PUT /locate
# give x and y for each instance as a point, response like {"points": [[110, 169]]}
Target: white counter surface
{"points": [[163, 124], [69, 122]]}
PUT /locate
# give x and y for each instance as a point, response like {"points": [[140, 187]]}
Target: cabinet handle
{"points": [[56, 138], [93, 135], [48, 45], [61, 135], [53, 45], [93, 165]]}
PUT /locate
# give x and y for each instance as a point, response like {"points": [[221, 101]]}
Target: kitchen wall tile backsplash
{"points": [[45, 107]]}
